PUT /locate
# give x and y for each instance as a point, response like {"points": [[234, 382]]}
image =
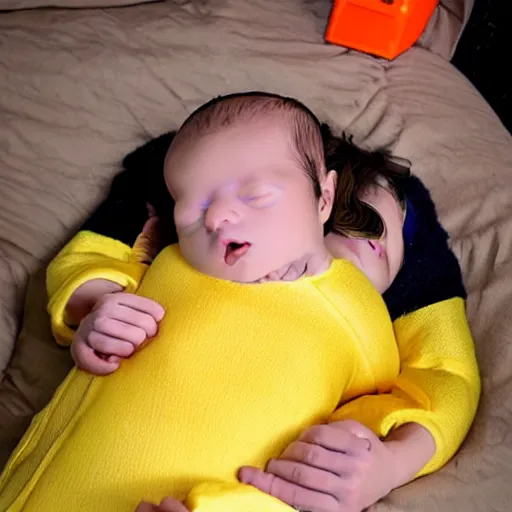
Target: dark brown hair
{"points": [[357, 170]]}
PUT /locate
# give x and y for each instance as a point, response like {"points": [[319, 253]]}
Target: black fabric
{"points": [[483, 55], [431, 272], [141, 182]]}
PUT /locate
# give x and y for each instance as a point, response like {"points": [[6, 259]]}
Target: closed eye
{"points": [[261, 200]]}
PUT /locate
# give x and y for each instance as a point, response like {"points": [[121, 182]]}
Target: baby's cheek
{"points": [[187, 222], [181, 214]]}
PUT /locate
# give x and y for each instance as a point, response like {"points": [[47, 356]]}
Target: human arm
{"points": [[438, 386], [412, 446], [85, 297], [89, 267], [109, 249], [110, 324], [342, 466]]}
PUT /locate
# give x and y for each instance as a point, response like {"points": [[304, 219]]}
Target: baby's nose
{"points": [[220, 213]]}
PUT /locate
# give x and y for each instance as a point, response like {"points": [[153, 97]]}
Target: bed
{"points": [[80, 88]]}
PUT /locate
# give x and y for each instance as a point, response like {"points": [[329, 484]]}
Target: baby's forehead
{"points": [[234, 135], [245, 108], [224, 140], [239, 152]]}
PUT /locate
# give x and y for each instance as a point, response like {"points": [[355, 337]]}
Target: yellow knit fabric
{"points": [[434, 342], [234, 375], [438, 385], [88, 256]]}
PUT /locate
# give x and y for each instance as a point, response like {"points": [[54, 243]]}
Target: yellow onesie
{"points": [[234, 375]]}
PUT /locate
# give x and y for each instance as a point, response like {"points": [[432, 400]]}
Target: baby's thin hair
{"points": [[357, 170], [316, 148], [224, 111]]}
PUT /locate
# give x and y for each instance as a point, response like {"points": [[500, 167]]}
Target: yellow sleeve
{"points": [[87, 256], [438, 385]]}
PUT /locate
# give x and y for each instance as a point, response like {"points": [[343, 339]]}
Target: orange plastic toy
{"points": [[385, 28]]}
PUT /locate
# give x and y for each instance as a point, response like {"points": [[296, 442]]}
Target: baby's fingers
{"points": [[134, 302], [87, 360], [109, 345], [132, 317]]}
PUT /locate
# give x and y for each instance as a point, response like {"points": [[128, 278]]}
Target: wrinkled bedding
{"points": [[80, 89]]}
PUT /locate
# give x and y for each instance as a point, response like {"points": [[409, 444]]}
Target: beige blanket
{"points": [[80, 89]]}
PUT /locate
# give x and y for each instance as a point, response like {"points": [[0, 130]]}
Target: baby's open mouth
{"points": [[235, 250]]}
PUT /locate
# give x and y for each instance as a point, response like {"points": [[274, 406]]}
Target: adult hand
{"points": [[338, 467]]}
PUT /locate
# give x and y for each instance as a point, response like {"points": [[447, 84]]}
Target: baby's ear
{"points": [[326, 202]]}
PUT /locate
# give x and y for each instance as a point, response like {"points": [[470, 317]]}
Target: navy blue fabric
{"points": [[410, 222], [431, 272]]}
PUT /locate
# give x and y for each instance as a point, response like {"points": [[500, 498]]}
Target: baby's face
{"points": [[379, 259], [244, 206]]}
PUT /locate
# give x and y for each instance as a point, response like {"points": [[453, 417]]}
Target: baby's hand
{"points": [[117, 326]]}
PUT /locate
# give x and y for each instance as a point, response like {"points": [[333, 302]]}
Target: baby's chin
{"points": [[241, 272]]}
